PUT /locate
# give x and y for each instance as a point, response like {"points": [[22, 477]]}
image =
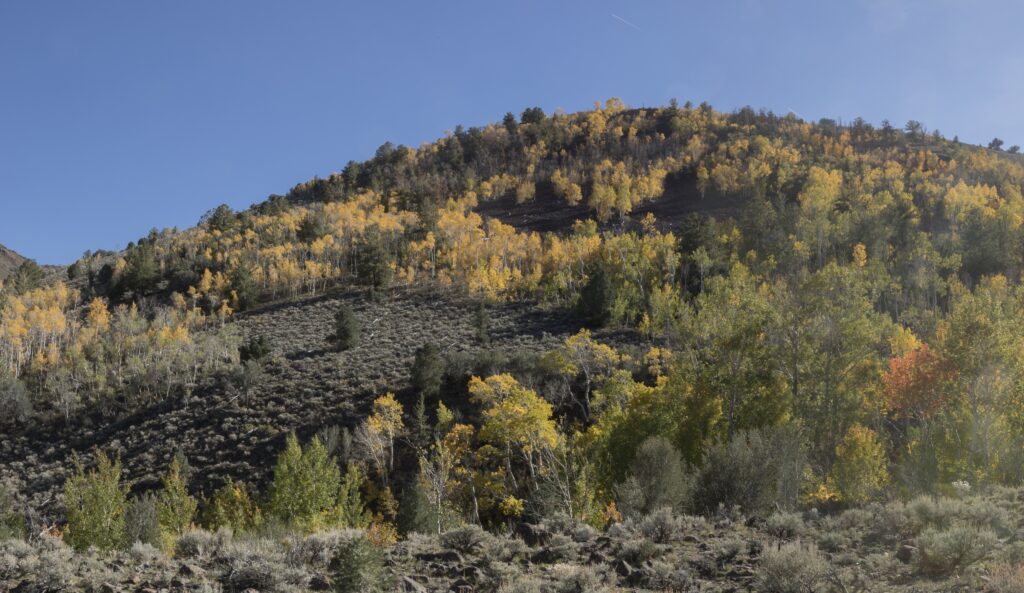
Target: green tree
{"points": [[346, 329], [176, 508], [95, 502], [306, 484], [597, 298], [859, 472], [28, 276], [427, 371], [231, 506], [350, 511]]}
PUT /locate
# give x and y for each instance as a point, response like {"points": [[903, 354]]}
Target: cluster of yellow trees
{"points": [[71, 352]]}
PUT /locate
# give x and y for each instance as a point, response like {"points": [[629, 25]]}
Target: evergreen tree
{"points": [[346, 329]]}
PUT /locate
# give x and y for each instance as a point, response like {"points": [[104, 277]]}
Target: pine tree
{"points": [[346, 329]]}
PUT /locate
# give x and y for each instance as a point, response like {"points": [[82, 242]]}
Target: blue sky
{"points": [[120, 116]]}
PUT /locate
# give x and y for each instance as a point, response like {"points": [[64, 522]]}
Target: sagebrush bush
{"points": [[638, 551], [1005, 578], [464, 539], [661, 526], [793, 567], [924, 512], [142, 521], [943, 551], [252, 574], [196, 543], [578, 579], [757, 471], [359, 566], [785, 525], [656, 479], [12, 523]]}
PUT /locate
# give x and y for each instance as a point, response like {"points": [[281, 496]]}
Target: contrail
{"points": [[625, 22]]}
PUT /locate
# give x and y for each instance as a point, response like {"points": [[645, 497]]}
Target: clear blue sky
{"points": [[120, 116]]}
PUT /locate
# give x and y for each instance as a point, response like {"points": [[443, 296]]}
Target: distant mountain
{"points": [[9, 261]]}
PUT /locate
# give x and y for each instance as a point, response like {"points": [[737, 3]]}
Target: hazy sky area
{"points": [[116, 117]]}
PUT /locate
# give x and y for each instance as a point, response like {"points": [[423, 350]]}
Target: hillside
{"points": [[9, 261], [674, 341]]}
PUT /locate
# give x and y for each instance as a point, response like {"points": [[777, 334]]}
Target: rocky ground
{"points": [[896, 547]]}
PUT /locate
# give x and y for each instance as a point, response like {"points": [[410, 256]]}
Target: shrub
{"points": [[924, 512], [759, 470], [12, 524], [578, 579], [661, 526], [96, 502], [1005, 578], [196, 543], [791, 568], [142, 522], [253, 573], [859, 471], [656, 480], [346, 329], [306, 483], [232, 507], [785, 525], [256, 349], [943, 551], [464, 539], [359, 566]]}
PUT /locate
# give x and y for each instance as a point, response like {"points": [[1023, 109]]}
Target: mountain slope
{"points": [[9, 261]]}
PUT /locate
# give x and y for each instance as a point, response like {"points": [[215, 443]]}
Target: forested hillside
{"points": [[588, 318]]}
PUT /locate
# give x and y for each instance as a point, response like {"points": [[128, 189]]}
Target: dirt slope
{"points": [[9, 261]]}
